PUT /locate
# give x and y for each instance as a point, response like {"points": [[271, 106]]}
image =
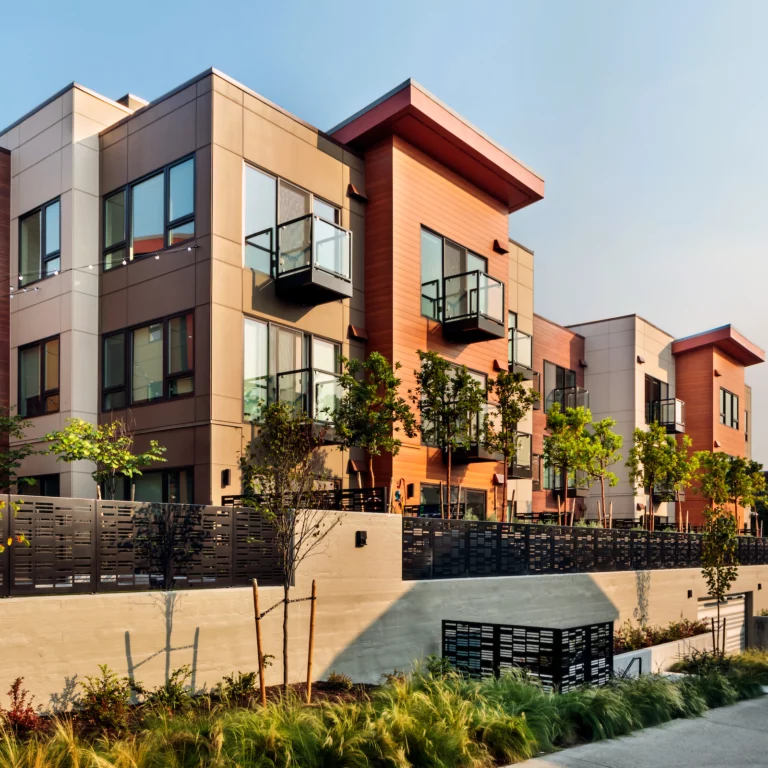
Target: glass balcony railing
{"points": [[472, 306], [520, 352], [314, 260], [316, 393], [569, 397], [669, 413]]}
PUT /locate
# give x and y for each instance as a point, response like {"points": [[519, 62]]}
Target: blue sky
{"points": [[648, 120]]}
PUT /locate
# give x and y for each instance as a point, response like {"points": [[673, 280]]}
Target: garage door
{"points": [[733, 613]]}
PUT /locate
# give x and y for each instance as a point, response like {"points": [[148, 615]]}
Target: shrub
{"points": [[173, 695], [239, 687], [104, 703], [338, 681], [21, 716], [437, 666], [629, 637]]}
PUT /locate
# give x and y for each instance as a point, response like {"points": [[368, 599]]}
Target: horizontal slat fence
{"points": [[451, 549], [79, 546]]}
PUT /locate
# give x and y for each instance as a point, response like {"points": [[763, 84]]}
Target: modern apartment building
{"points": [[176, 263]]}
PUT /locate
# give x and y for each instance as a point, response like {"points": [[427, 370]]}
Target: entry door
{"points": [[734, 613]]}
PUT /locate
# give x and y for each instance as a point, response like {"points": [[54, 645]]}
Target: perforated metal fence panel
{"points": [[80, 546], [450, 549], [562, 659]]}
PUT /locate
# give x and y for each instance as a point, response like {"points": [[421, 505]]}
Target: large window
{"points": [[40, 485], [556, 378], [39, 378], [150, 214], [269, 202], [162, 486], [40, 243], [655, 392], [157, 358], [473, 503], [440, 258], [729, 409], [282, 363]]}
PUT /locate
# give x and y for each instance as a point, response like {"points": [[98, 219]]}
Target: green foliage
{"points": [[173, 696], [105, 699], [240, 688], [437, 666], [730, 479], [602, 452], [629, 637], [338, 681], [109, 446], [13, 428], [371, 412], [567, 446]]}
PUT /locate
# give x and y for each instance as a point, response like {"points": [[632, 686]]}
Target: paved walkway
{"points": [[728, 737]]}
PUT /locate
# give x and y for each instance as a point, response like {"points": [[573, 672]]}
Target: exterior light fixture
{"points": [[690, 594], [640, 359], [157, 256], [361, 538], [124, 262]]}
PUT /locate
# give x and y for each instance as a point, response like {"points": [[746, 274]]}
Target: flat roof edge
{"points": [[557, 325], [623, 317]]}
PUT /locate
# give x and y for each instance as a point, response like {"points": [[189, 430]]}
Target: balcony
{"points": [[521, 467], [314, 392], [669, 413], [473, 307], [536, 378], [314, 261], [569, 397], [521, 354], [477, 450]]}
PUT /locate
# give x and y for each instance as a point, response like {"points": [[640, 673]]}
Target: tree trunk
{"points": [[651, 521], [285, 639], [450, 454], [370, 471], [602, 503], [719, 650], [505, 504]]}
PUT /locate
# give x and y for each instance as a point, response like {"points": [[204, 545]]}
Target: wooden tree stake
{"points": [[259, 650], [311, 641]]}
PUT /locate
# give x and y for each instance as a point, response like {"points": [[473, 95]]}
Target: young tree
{"points": [[513, 401], [713, 484], [450, 401], [281, 474], [719, 561], [682, 473], [108, 446], [651, 463], [746, 482], [13, 427], [566, 447], [601, 454], [371, 412]]}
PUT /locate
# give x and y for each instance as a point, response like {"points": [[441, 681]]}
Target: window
{"points": [[42, 485], [729, 409], [39, 378], [511, 328], [162, 486], [556, 377], [655, 392], [270, 202], [746, 426], [442, 258], [277, 364], [473, 502], [160, 358], [150, 214], [40, 243]]}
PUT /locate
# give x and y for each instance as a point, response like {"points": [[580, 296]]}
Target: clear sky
{"points": [[647, 119]]}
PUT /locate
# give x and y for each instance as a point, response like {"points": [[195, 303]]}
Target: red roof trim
{"points": [[727, 339]]}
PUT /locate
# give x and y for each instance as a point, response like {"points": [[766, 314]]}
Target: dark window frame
{"points": [[164, 472], [307, 355], [43, 257], [23, 488], [168, 378], [44, 393], [273, 230], [126, 243], [724, 395], [663, 387], [546, 389], [460, 499], [438, 299]]}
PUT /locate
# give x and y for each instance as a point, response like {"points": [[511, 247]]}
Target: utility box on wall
{"points": [[562, 659]]}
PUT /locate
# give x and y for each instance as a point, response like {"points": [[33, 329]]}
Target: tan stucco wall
{"points": [[55, 153], [368, 620]]}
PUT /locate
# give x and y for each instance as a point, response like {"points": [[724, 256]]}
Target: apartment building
{"points": [[176, 263]]}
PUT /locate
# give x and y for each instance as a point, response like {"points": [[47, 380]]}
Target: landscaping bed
{"points": [[431, 718], [629, 637]]}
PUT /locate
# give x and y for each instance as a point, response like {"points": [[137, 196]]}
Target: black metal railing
{"points": [[669, 413], [341, 500], [311, 242], [569, 397], [562, 659], [450, 549], [78, 546]]}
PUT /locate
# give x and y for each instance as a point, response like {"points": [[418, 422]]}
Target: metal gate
{"points": [[733, 613]]}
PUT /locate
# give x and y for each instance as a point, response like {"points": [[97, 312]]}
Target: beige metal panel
{"points": [[85, 172], [227, 192], [149, 115], [112, 136], [114, 166], [203, 191], [40, 183], [82, 246], [227, 123], [36, 149], [162, 141], [226, 281], [228, 410], [96, 110], [41, 120], [230, 90], [227, 357], [84, 348], [10, 139]]}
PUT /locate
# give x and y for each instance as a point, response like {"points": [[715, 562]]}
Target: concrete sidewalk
{"points": [[729, 737]]}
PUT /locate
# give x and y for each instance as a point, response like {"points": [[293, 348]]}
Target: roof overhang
{"points": [[727, 339], [411, 112]]}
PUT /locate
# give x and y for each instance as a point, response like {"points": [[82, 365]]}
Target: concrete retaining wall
{"points": [[369, 621], [659, 658]]}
